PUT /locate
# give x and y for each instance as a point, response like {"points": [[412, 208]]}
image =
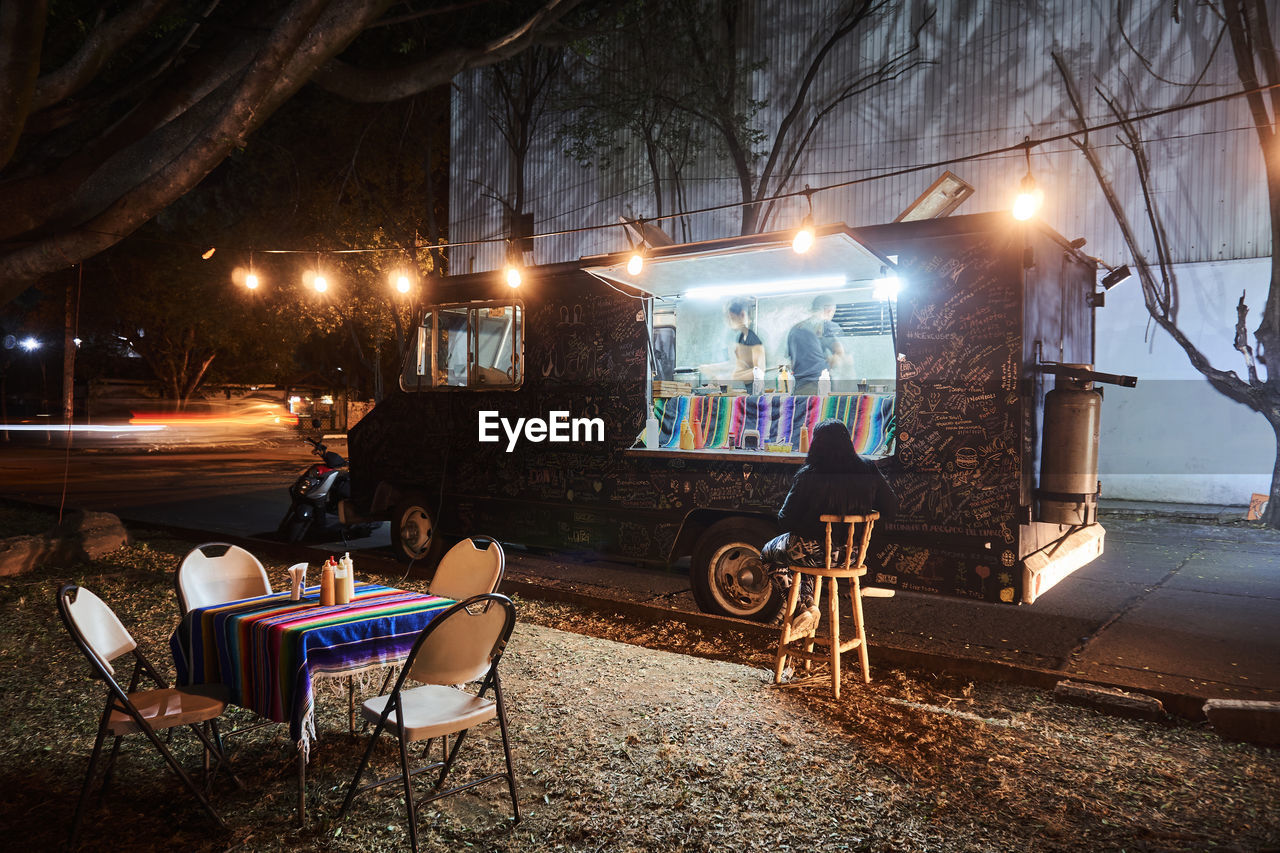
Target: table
{"points": [[268, 650]]}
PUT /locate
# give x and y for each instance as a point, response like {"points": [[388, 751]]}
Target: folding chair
{"points": [[472, 567], [216, 572], [102, 638], [461, 645]]}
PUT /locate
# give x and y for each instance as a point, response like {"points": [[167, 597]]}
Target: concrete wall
{"points": [[1174, 438]]}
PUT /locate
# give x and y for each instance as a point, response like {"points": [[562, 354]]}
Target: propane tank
{"points": [[1068, 490]]}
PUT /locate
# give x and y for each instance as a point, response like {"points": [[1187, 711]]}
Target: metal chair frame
{"points": [[490, 680], [118, 700]]}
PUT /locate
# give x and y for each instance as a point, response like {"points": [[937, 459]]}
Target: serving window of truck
{"points": [[938, 342]]}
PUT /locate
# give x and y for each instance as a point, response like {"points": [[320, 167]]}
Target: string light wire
{"points": [[1019, 147]]}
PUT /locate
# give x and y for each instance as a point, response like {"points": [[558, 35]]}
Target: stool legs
{"points": [[833, 614], [784, 637], [855, 592]]}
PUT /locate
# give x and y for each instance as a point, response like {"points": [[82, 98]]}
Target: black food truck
{"points": [[597, 411]]}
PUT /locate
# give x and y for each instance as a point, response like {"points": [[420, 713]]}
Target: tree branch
{"points": [[371, 85], [104, 42], [1227, 382], [21, 35]]}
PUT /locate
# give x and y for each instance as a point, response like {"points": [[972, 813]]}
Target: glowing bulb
{"points": [[635, 264], [251, 281], [803, 240], [209, 252], [320, 284], [1029, 199], [402, 284], [30, 344], [886, 288], [512, 275]]}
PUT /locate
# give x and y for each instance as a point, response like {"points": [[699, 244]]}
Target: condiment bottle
{"points": [[340, 595], [686, 436], [804, 439], [824, 384], [351, 576], [327, 584]]}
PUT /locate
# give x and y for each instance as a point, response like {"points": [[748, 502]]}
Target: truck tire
{"points": [[413, 535], [728, 577]]}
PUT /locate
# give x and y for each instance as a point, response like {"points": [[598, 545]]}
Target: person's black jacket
{"points": [[816, 493]]}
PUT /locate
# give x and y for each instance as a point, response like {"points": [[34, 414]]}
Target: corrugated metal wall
{"points": [[988, 81]]}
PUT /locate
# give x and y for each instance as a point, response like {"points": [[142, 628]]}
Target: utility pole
{"points": [[69, 361]]}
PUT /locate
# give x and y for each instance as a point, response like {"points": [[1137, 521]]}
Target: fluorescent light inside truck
{"points": [[766, 288]]}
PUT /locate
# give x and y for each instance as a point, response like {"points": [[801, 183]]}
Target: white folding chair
{"points": [[216, 572], [462, 645], [102, 638]]}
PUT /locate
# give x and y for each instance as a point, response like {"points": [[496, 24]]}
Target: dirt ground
{"points": [[632, 737]]}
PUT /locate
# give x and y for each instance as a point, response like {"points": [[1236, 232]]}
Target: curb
{"points": [[1186, 706]]}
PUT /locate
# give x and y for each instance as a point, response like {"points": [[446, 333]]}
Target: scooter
{"points": [[317, 491]]}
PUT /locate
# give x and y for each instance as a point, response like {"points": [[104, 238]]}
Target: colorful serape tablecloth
{"points": [[267, 650], [777, 417]]}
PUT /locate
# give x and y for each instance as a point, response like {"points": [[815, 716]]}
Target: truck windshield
{"points": [[476, 345]]}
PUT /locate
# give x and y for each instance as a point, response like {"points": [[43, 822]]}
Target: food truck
{"points": [[589, 411]]}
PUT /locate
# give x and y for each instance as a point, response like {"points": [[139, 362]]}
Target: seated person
{"points": [[834, 480]]}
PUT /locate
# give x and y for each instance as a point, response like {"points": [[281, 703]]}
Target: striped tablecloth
{"points": [[267, 650]]}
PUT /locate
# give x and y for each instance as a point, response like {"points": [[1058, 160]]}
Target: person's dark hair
{"points": [[738, 307], [831, 450]]}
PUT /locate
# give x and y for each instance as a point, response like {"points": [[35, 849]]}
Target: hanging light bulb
{"points": [[319, 283], [402, 284], [803, 241], [251, 281], [635, 263], [512, 276], [1029, 197]]}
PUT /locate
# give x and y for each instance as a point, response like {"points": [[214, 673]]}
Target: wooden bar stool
{"points": [[830, 648]]}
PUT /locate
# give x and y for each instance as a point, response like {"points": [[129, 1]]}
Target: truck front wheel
{"points": [[728, 575], [413, 533]]}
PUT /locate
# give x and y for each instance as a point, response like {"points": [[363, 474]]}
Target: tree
{"points": [[1256, 65], [626, 83], [105, 121], [517, 103]]}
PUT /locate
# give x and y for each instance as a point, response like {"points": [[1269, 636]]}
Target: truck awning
{"points": [[757, 264]]}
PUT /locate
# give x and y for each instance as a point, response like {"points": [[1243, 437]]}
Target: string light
{"points": [[894, 173], [1030, 197], [251, 280], [803, 241]]}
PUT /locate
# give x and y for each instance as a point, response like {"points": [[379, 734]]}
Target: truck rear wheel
{"points": [[728, 575], [414, 537]]}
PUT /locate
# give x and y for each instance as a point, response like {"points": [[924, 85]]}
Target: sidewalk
{"points": [[1178, 609]]}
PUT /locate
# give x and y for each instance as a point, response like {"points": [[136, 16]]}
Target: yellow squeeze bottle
{"points": [[804, 439], [686, 436]]}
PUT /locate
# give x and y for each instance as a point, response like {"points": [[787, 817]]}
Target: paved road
{"points": [[1187, 609]]}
